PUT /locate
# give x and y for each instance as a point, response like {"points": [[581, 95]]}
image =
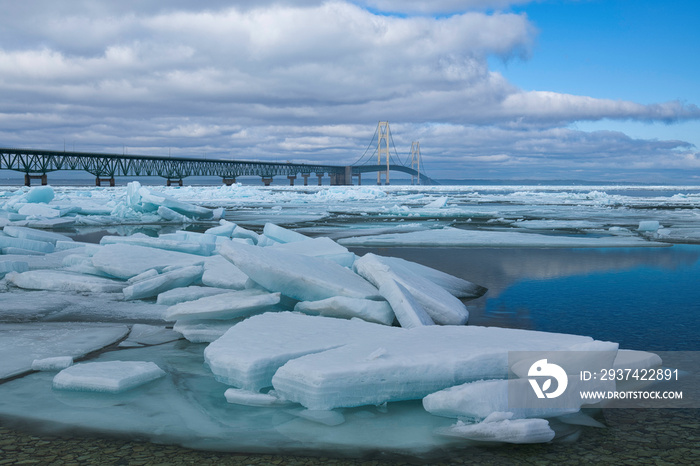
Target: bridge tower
{"points": [[383, 148], [415, 161]]}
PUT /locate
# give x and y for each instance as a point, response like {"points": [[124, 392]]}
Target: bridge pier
{"points": [[267, 180], [320, 179], [28, 179], [229, 181], [98, 181], [359, 179], [291, 179], [171, 182], [306, 178]]}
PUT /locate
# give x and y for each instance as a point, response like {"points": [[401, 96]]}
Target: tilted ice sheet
{"points": [[188, 293], [126, 260], [176, 278], [442, 307], [456, 286], [221, 273], [408, 365], [57, 280], [21, 344], [248, 354], [301, 277], [226, 306], [409, 312], [346, 308]]}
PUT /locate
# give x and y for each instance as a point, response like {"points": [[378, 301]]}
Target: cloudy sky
{"points": [[551, 89]]}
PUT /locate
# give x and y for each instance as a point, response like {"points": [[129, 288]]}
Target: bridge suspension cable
{"points": [[357, 162]]}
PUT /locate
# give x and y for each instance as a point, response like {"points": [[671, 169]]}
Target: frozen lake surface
{"points": [[99, 277]]}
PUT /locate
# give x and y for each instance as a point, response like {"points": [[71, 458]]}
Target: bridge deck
{"points": [[35, 163]]}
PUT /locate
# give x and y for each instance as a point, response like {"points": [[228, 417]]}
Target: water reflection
{"points": [[642, 298]]}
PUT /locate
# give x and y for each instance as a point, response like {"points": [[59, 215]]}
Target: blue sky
{"points": [[561, 89], [618, 49]]}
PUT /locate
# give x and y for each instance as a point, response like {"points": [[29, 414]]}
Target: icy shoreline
{"points": [[331, 382]]}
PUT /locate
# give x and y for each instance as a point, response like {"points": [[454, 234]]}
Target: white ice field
{"points": [[249, 336]]}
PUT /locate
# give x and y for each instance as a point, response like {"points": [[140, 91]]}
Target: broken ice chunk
{"points": [[502, 430], [221, 273], [441, 306], [243, 233], [56, 363], [109, 377], [300, 277], [223, 306], [39, 210], [249, 353], [408, 311], [282, 235], [20, 252], [164, 282], [248, 398], [417, 362], [456, 286], [12, 266], [199, 248], [341, 306], [21, 344], [188, 293], [22, 243], [225, 228], [126, 260], [36, 235], [171, 216], [321, 247], [477, 400], [204, 331], [649, 226], [57, 280]]}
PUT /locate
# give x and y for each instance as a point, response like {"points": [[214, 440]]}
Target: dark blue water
{"points": [[645, 307], [643, 298]]}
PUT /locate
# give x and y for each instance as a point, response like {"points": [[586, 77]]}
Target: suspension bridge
{"points": [[36, 164]]}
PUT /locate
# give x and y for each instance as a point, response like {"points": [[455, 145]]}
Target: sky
{"points": [[493, 89]]}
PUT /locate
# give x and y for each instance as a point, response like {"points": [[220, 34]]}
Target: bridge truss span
{"points": [[36, 163]]}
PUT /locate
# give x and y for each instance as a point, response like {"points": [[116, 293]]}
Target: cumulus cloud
{"points": [[294, 80]]}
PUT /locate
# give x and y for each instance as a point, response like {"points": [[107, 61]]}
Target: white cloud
{"points": [[298, 80]]}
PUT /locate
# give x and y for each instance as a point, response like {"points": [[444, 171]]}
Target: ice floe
{"points": [[22, 344], [499, 428], [457, 237], [55, 363], [414, 363], [249, 354], [110, 377]]}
